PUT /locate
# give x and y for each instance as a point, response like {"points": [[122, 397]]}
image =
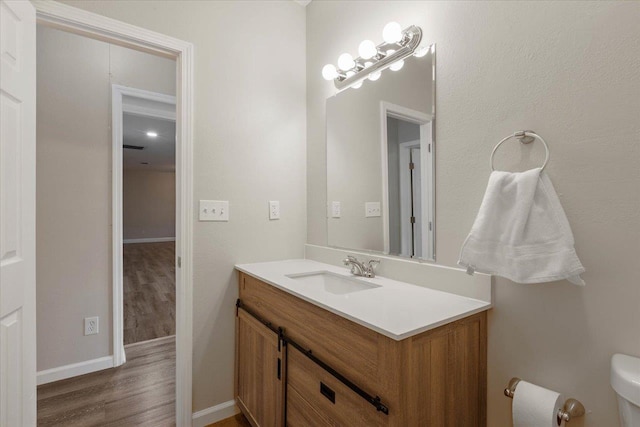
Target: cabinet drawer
{"points": [[329, 397], [300, 413]]}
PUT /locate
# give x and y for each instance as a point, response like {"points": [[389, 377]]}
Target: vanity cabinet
{"points": [[335, 372]]}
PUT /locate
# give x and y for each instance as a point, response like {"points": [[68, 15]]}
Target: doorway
{"points": [[148, 228], [407, 182], [75, 169], [144, 212], [92, 26]]}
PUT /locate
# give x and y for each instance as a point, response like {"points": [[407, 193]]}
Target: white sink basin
{"points": [[333, 283]]}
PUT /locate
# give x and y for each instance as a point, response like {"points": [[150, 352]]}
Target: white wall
{"points": [[249, 148], [74, 186], [568, 70], [148, 204]]}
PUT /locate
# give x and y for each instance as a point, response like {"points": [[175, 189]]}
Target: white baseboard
{"points": [[151, 341], [214, 414], [150, 240], [75, 369]]}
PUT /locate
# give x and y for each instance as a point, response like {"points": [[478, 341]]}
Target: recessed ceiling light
{"points": [[152, 134]]}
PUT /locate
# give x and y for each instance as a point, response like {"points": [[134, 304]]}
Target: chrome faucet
{"points": [[358, 268]]}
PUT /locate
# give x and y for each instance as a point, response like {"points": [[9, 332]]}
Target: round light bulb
{"points": [[397, 65], [329, 72], [420, 52], [367, 49], [346, 62], [375, 76], [392, 32], [357, 85]]}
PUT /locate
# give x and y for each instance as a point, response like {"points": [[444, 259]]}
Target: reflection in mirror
{"points": [[380, 163]]}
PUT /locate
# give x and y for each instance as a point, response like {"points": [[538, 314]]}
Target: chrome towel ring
{"points": [[525, 137]]}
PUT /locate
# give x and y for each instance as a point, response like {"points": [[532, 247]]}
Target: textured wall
{"points": [[148, 204], [74, 186], [568, 70], [249, 148]]}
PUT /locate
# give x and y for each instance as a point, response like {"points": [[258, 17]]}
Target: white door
{"points": [[409, 157], [17, 214], [416, 200]]}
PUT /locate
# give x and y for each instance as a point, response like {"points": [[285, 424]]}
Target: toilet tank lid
{"points": [[625, 377]]}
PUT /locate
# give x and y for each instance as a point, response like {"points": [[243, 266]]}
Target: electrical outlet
{"points": [[91, 325], [335, 210], [372, 209], [274, 209]]}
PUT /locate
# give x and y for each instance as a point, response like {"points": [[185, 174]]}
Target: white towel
{"points": [[521, 232]]}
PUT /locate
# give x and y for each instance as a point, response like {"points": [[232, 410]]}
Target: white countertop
{"points": [[396, 309]]}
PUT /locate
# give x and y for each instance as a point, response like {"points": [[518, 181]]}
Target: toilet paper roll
{"points": [[535, 406]]}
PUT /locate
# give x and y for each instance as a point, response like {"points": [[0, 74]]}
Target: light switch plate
{"points": [[372, 209], [214, 210], [274, 209], [335, 210]]}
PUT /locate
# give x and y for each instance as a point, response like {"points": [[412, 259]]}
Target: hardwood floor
{"points": [[149, 291], [139, 393], [237, 421]]}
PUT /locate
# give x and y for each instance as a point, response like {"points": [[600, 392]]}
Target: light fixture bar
{"points": [[411, 38]]}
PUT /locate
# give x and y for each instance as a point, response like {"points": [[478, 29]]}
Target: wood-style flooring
{"points": [[149, 291], [139, 393], [237, 421]]}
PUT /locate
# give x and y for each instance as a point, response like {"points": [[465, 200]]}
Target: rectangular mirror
{"points": [[380, 163]]}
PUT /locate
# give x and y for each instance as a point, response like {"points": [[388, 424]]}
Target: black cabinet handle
{"points": [[279, 368], [327, 392]]}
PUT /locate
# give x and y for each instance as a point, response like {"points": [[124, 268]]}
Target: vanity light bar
{"points": [[397, 46]]}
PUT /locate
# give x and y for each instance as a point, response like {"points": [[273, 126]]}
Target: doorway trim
{"points": [[118, 108], [87, 24], [427, 147]]}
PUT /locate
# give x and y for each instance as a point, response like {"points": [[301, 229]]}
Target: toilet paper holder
{"points": [[572, 407]]}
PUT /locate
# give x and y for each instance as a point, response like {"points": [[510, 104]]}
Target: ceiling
{"points": [[158, 152]]}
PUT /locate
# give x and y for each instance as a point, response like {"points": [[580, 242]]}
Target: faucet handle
{"points": [[349, 259], [373, 263]]}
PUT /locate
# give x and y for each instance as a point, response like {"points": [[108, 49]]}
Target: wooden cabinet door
{"points": [[260, 372]]}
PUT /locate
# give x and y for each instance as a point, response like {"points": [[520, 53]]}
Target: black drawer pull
{"points": [[327, 392], [279, 368]]}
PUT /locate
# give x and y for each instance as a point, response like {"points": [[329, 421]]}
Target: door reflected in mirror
{"points": [[380, 163]]}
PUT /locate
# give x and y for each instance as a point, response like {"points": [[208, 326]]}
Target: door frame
{"points": [[118, 108], [427, 149], [78, 21]]}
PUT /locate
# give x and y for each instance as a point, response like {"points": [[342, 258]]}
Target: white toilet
{"points": [[625, 380]]}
